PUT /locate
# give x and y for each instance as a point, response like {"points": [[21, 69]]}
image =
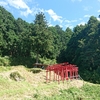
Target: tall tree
{"points": [[84, 50], [23, 33], [7, 30], [42, 37], [64, 37]]}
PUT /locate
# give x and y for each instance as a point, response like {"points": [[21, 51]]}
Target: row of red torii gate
{"points": [[61, 72]]}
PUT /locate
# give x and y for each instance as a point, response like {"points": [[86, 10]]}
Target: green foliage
{"points": [[35, 70], [42, 37], [47, 61], [26, 61], [14, 61], [83, 50], [4, 68], [36, 96], [92, 91], [21, 40], [26, 43], [16, 76], [4, 61], [87, 92]]}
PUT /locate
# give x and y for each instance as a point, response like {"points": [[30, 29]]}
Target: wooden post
{"points": [[46, 76], [58, 76], [54, 75], [49, 75], [66, 74]]}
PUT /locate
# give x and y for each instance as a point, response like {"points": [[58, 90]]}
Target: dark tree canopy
{"points": [[83, 49], [42, 37]]}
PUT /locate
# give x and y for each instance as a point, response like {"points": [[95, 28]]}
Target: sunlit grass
{"points": [[87, 92], [11, 88], [33, 89], [3, 68]]}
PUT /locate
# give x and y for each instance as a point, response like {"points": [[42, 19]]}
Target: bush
{"points": [[4, 61], [3, 68], [47, 61], [25, 61], [35, 70], [16, 76]]}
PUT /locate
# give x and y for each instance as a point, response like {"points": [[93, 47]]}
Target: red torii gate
{"points": [[62, 71]]}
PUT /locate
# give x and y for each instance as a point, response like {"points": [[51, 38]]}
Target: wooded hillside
{"points": [[83, 49], [26, 43], [36, 39]]}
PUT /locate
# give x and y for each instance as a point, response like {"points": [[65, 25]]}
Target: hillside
{"points": [[27, 43], [33, 86], [83, 50]]}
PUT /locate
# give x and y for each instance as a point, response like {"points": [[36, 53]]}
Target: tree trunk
{"points": [[37, 58]]}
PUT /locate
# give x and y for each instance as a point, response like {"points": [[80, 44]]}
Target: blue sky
{"points": [[65, 13]]}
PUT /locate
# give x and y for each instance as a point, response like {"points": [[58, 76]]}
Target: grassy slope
{"points": [[34, 87]]}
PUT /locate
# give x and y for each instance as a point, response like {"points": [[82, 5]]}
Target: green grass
{"points": [[11, 88], [87, 92], [24, 90], [3, 68], [35, 70]]}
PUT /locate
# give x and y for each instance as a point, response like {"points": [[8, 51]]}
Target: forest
{"points": [[24, 43]]}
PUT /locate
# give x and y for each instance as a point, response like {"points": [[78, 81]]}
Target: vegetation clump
{"points": [[35, 70], [16, 76], [4, 61]]}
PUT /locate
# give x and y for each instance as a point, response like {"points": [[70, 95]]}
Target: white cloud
{"points": [[26, 13], [61, 26], [70, 21], [73, 21], [20, 4], [49, 24], [87, 16], [67, 21], [2, 3], [35, 10], [82, 23], [54, 16], [98, 19], [98, 11], [70, 26]]}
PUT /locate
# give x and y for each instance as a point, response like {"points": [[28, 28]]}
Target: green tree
{"points": [[84, 50], [42, 37], [7, 32], [56, 42], [23, 31], [64, 39]]}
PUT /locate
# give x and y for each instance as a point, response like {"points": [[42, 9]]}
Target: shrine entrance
{"points": [[61, 72]]}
